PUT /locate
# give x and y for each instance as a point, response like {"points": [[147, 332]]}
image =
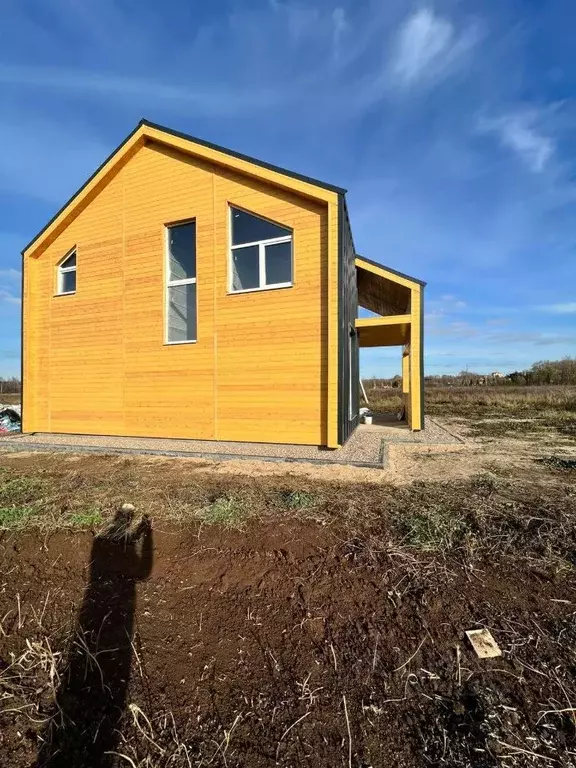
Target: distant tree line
{"points": [[545, 372], [9, 386]]}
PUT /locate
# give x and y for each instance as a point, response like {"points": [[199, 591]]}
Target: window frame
{"points": [[173, 283], [60, 271], [262, 244]]}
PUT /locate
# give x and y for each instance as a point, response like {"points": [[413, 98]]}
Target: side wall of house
{"points": [[348, 352], [96, 363]]}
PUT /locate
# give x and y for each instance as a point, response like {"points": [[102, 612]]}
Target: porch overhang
{"points": [[391, 331], [398, 300]]}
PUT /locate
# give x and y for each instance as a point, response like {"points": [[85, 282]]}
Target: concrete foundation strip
{"points": [[62, 448]]}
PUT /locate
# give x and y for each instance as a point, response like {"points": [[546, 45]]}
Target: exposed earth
{"points": [[283, 620]]}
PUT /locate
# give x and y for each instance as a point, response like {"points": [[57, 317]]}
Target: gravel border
{"points": [[366, 448]]}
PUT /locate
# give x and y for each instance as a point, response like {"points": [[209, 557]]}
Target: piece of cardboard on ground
{"points": [[483, 643]]}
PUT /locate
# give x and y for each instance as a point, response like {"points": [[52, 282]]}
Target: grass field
{"points": [[494, 410], [10, 398], [286, 620]]}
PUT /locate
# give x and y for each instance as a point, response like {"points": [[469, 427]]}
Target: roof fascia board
{"points": [[234, 163], [387, 272], [58, 221], [245, 158], [145, 131]]}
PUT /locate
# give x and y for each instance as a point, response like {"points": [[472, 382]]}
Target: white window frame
{"points": [[171, 283], [261, 255], [63, 270]]}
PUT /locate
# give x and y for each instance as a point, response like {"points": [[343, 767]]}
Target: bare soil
{"points": [[266, 621]]}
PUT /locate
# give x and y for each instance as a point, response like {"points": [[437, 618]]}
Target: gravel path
{"points": [[366, 447]]}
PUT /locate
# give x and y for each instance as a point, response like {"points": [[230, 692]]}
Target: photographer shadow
{"points": [[91, 698]]}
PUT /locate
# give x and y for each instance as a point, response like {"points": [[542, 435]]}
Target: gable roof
{"points": [[147, 131]]}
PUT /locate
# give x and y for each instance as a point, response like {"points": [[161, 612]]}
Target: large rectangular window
{"points": [[260, 253], [181, 283]]}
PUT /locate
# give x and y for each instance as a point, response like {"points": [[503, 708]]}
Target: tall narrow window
{"points": [[261, 253], [67, 274], [181, 283]]}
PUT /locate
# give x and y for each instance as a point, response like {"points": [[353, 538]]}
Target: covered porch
{"points": [[398, 300]]}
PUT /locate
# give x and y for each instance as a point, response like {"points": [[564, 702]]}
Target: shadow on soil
{"points": [[92, 695]]}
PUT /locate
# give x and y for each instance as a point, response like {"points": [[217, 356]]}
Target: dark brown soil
{"points": [[286, 644]]}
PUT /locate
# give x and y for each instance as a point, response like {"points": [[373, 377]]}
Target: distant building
{"points": [[497, 375]]}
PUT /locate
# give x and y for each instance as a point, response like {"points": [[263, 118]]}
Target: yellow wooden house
{"points": [[189, 291]]}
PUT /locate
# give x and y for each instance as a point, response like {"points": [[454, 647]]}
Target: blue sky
{"points": [[451, 123]]}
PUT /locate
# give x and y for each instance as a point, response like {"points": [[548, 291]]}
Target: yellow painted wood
{"points": [[264, 366], [396, 329], [416, 414], [384, 335], [370, 322], [405, 372], [145, 134]]}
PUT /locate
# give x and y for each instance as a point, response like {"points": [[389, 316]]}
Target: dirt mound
{"points": [[285, 644]]}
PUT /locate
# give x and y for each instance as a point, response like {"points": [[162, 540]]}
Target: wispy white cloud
{"points": [[567, 308], [521, 132], [339, 27], [215, 99], [427, 45], [8, 297], [10, 274], [447, 304]]}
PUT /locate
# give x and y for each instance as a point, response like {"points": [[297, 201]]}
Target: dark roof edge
{"points": [[187, 137], [389, 269], [78, 191], [248, 158]]}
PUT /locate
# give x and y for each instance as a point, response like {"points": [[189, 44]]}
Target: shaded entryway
{"points": [[398, 300]]}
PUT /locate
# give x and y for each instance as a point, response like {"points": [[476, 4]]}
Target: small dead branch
{"points": [[136, 713], [287, 731], [411, 657], [349, 731], [522, 751]]}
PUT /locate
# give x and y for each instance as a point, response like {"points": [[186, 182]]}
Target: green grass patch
{"points": [[224, 510], [19, 490], [439, 529], [15, 517], [88, 519], [298, 499]]}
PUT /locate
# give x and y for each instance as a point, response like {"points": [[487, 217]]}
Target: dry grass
{"points": [[10, 398], [482, 401], [496, 411], [479, 517]]}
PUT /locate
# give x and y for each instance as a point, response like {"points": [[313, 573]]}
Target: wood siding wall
{"points": [[96, 363]]}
